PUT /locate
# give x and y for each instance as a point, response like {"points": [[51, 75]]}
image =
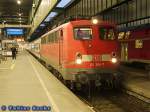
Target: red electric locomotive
{"points": [[82, 51]]}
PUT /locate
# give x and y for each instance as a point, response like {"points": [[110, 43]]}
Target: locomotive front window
{"points": [[103, 33], [107, 33], [111, 34], [83, 33]]}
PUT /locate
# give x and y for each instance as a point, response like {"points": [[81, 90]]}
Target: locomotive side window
{"points": [[53, 37], [107, 33], [83, 33], [43, 40], [49, 38], [56, 38], [46, 39]]}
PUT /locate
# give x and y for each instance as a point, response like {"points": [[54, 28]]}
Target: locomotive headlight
{"points": [[78, 61], [114, 60], [78, 58]]}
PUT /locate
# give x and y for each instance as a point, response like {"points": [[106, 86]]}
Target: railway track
{"points": [[112, 101], [140, 97]]}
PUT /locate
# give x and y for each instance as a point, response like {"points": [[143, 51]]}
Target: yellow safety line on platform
{"points": [[50, 98]]}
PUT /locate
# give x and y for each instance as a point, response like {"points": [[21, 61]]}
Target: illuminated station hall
{"points": [[74, 55]]}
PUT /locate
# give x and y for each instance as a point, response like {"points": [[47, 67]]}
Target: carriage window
{"points": [[83, 33], [107, 34]]}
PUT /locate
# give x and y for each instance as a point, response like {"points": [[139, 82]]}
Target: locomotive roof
{"points": [[80, 23], [89, 22]]}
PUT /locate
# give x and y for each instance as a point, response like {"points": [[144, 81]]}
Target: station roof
{"points": [[13, 12], [22, 12], [60, 7]]}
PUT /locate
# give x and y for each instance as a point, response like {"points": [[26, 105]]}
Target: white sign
{"points": [[138, 43]]}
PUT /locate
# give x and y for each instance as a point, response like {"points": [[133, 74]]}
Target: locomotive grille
{"points": [[87, 58], [105, 57]]}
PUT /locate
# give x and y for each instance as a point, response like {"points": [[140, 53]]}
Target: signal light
{"points": [[18, 2]]}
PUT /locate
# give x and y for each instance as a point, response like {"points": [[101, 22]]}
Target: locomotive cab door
{"points": [[124, 51], [60, 47]]}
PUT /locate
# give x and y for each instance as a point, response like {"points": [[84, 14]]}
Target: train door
{"points": [[60, 47], [124, 51]]}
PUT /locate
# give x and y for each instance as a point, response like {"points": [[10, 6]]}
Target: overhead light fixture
{"points": [[18, 2], [33, 5], [95, 21], [3, 22], [19, 14], [42, 25]]}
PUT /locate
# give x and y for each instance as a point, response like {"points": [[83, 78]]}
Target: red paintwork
{"points": [[64, 52], [51, 51], [141, 53], [98, 47]]}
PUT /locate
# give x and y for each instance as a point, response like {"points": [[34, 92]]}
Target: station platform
{"points": [[25, 82], [137, 81]]}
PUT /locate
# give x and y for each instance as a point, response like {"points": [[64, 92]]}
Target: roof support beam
{"points": [[114, 6], [43, 10]]}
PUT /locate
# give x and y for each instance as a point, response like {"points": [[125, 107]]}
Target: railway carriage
{"points": [[135, 47], [81, 51]]}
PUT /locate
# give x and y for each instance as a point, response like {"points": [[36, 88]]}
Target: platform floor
{"points": [[18, 83], [26, 82]]}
